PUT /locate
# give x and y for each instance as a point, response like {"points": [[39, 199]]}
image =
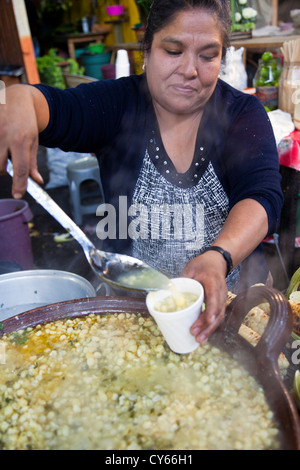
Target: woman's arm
{"points": [[244, 229], [251, 172], [22, 117]]}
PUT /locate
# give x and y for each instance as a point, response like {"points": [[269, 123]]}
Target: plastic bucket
{"points": [[79, 52], [96, 48], [113, 10], [92, 64], [15, 243], [108, 71]]}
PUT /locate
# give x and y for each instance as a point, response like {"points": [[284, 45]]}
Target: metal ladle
{"points": [[108, 266]]}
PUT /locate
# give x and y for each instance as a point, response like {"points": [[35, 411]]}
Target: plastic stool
{"points": [[83, 170]]}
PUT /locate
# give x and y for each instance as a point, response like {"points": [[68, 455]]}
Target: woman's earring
{"points": [[144, 67]]}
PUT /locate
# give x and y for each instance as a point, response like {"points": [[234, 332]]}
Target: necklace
{"points": [[165, 166]]}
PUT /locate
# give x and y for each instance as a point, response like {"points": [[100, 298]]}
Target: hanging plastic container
{"points": [[114, 10], [15, 243]]}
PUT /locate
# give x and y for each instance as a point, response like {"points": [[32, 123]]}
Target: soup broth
{"points": [[110, 382]]}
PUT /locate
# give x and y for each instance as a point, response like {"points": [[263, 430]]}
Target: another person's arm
{"points": [[22, 117]]}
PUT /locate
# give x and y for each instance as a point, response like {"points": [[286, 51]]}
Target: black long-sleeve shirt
{"points": [[235, 156]]}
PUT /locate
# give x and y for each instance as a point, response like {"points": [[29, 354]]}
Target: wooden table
{"points": [[252, 44], [85, 38], [264, 42]]}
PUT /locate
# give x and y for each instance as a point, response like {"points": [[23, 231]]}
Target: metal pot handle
{"points": [[279, 326]]}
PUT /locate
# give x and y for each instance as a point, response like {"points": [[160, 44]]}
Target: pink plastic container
{"points": [[115, 10], [15, 243]]}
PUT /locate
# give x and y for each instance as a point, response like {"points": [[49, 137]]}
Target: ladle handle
{"points": [[43, 198], [279, 326]]}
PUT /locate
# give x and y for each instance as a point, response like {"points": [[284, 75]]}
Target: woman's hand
{"points": [[23, 116], [210, 270], [244, 229]]}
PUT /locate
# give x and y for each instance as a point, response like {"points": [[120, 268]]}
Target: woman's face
{"points": [[183, 65]]}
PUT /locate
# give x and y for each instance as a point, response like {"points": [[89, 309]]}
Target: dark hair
{"points": [[162, 13]]}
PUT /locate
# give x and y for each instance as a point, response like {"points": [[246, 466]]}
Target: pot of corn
{"points": [[97, 374]]}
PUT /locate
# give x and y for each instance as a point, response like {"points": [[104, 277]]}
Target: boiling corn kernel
{"points": [[110, 382]]}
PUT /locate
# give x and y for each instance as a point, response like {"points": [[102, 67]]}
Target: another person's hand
{"points": [[19, 128], [210, 270]]}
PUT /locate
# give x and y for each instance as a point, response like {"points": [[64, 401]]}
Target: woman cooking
{"points": [[174, 137]]}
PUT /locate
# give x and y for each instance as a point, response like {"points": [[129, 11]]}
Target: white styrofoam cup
{"points": [[175, 326]]}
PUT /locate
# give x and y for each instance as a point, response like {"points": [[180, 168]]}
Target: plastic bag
{"points": [[282, 124], [289, 151], [57, 162], [233, 70]]}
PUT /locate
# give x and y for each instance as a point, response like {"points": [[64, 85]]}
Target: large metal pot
{"points": [[26, 290], [261, 361]]}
